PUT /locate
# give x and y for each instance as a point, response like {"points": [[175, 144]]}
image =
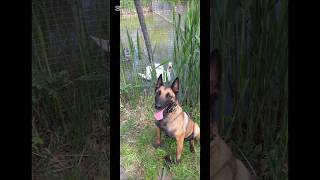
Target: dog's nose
{"points": [[157, 106]]}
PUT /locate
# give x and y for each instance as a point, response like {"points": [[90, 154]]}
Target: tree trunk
{"points": [[145, 35], [150, 6]]}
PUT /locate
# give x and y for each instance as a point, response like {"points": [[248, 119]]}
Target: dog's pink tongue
{"points": [[159, 115]]}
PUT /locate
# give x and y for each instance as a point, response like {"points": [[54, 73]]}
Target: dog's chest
{"points": [[166, 126]]}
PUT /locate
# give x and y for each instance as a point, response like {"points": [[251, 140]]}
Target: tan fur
{"points": [[223, 165]]}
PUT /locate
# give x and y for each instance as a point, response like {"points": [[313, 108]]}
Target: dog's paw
{"points": [[157, 145], [192, 149], [170, 160], [178, 161]]}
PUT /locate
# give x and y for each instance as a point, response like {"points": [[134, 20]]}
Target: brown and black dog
{"points": [[170, 117], [223, 165]]}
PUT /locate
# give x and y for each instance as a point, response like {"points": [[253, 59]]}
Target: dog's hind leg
{"points": [[191, 143], [196, 131]]}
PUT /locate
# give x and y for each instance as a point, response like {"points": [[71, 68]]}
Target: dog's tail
{"points": [[196, 132]]}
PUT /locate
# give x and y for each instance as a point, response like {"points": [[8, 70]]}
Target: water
{"points": [[161, 33]]}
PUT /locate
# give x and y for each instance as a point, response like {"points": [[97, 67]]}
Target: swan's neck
{"points": [[168, 75]]}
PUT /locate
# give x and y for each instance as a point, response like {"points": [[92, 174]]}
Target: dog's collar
{"points": [[171, 108]]}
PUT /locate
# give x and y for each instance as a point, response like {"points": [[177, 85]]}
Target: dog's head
{"points": [[165, 97], [215, 78]]}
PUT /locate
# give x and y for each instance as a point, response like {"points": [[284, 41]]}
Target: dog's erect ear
{"points": [[159, 82], [215, 72], [175, 85]]}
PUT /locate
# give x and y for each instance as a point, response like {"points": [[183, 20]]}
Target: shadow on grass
{"points": [[74, 157]]}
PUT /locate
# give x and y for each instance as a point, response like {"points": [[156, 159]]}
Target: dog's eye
{"points": [[168, 96]]}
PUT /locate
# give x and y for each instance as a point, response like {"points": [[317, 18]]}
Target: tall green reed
{"points": [[253, 39], [130, 82], [186, 58]]}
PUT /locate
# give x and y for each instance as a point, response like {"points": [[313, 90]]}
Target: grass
{"points": [[139, 158], [253, 40]]}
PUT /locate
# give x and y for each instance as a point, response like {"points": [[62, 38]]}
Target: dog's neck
{"points": [[172, 107]]}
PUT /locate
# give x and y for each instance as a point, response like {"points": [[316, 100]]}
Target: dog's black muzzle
{"points": [[160, 104]]}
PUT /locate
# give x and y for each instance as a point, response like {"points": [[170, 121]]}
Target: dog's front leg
{"points": [[158, 136], [158, 140], [179, 139]]}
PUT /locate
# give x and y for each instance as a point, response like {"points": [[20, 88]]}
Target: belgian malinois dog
{"points": [[223, 165], [170, 118]]}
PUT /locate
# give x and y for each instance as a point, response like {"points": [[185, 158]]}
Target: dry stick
{"points": [[38, 155], [52, 160], [164, 18], [81, 157], [62, 169], [73, 155], [68, 155], [167, 20]]}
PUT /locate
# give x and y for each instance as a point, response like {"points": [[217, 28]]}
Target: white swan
{"points": [[159, 70]]}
